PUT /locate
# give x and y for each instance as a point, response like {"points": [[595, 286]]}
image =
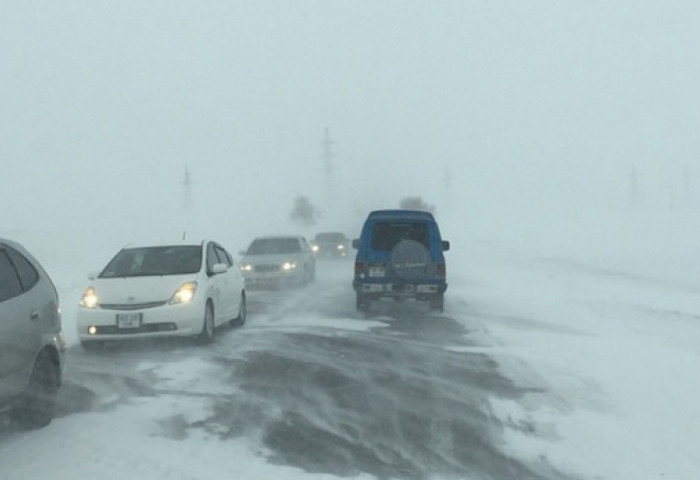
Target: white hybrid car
{"points": [[164, 290]]}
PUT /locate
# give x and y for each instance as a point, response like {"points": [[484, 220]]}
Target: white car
{"points": [[278, 261], [182, 290]]}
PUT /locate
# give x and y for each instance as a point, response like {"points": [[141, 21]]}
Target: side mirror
{"points": [[219, 268], [93, 275], [356, 243], [445, 245]]}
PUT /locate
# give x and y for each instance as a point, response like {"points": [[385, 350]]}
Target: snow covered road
{"points": [[532, 372]]}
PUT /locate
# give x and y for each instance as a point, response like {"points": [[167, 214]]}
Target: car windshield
{"points": [[330, 238], [267, 246], [385, 236], [154, 261]]}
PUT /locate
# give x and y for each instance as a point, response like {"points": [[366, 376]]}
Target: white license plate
{"points": [[128, 320], [376, 272]]}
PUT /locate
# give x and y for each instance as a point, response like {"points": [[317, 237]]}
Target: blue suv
{"points": [[400, 255]]}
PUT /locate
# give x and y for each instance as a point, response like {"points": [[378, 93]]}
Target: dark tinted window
{"points": [[28, 276], [212, 258], [9, 281], [223, 255], [386, 235], [262, 246], [153, 261], [330, 238]]}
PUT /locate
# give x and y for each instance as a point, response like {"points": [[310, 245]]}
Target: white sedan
{"points": [[182, 290]]}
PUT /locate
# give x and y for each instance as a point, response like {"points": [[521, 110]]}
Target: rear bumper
{"points": [[400, 289]]}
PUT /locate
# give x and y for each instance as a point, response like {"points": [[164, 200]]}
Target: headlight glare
{"points": [[185, 293], [89, 298], [289, 265]]}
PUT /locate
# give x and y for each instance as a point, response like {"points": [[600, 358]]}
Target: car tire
{"points": [[362, 303], [239, 321], [409, 260], [438, 303], [206, 336], [35, 408]]}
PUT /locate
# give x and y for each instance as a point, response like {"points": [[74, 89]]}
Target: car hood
{"points": [[271, 259], [139, 289]]}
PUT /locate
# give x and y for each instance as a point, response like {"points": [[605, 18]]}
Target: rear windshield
{"points": [[154, 261], [266, 246], [386, 235]]}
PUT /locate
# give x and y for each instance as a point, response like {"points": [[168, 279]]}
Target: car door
{"points": [[18, 336], [229, 285]]}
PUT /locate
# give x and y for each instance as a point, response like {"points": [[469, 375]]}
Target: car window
{"points": [[223, 256], [28, 275], [330, 237], [212, 258], [385, 235], [152, 261], [9, 280], [263, 246]]}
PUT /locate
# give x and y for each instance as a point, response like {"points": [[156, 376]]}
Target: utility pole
{"points": [[187, 188]]}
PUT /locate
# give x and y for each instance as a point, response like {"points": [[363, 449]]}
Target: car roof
{"points": [[13, 244], [166, 243], [400, 214], [274, 237]]}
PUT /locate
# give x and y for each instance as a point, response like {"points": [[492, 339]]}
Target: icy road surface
{"points": [[529, 374]]}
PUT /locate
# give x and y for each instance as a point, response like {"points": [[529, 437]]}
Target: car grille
{"points": [[131, 306], [147, 328], [267, 268]]}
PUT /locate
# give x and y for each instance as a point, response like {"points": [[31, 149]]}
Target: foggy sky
{"points": [[485, 104]]}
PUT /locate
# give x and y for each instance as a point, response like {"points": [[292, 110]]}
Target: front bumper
{"points": [[162, 321]]}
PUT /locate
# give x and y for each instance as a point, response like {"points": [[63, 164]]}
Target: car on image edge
{"points": [[400, 256], [32, 347], [163, 290]]}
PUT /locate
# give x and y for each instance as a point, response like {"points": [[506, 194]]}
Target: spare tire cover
{"points": [[409, 260]]}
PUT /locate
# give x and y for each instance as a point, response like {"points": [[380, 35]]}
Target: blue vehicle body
{"points": [[400, 255]]}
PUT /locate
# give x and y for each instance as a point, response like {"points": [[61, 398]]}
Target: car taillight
{"points": [[441, 270], [359, 268]]}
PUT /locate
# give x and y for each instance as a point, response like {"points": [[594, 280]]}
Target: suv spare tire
{"points": [[409, 260]]}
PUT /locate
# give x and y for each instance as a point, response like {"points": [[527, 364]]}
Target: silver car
{"points": [[31, 340], [278, 261]]}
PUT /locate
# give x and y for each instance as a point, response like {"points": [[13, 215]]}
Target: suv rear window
{"points": [[385, 235]]}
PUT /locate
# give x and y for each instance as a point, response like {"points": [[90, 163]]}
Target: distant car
{"points": [[330, 244], [180, 289], [400, 255], [278, 261], [31, 340]]}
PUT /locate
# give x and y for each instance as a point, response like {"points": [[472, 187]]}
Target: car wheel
{"points": [[438, 303], [242, 313], [36, 406], [362, 303], [207, 334]]}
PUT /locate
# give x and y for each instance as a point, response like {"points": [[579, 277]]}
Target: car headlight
{"points": [[341, 247], [89, 298], [289, 265], [246, 268], [314, 248], [185, 293]]}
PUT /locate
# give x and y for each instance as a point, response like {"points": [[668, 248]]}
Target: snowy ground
{"points": [[572, 351]]}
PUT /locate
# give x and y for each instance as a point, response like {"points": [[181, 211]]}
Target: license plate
{"points": [[128, 320], [376, 271]]}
